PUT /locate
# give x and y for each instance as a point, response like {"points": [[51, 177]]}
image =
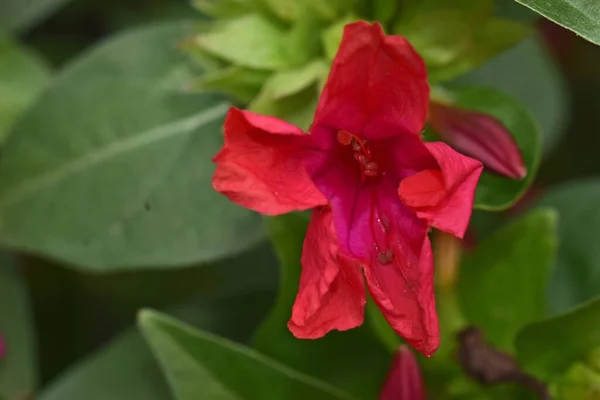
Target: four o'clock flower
{"points": [[374, 187]]}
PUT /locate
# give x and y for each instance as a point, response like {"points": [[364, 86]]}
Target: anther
{"points": [[345, 138]]}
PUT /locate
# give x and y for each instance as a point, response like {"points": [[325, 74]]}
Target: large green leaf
{"points": [[112, 167], [126, 369], [495, 192], [353, 360], [123, 370], [549, 347], [200, 365], [18, 370], [576, 276], [529, 74], [22, 77], [580, 16], [502, 285], [22, 14]]}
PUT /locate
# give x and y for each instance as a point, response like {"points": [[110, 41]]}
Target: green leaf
{"points": [[331, 37], [580, 16], [502, 284], [384, 10], [22, 78], [18, 370], [496, 192], [250, 41], [581, 382], [352, 360], [576, 276], [298, 108], [539, 86], [549, 347], [381, 327], [112, 167], [243, 84], [287, 83], [19, 15], [224, 8], [200, 365], [494, 37], [450, 27], [125, 369]]}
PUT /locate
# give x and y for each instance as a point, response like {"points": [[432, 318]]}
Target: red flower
{"points": [[404, 381], [375, 188]]}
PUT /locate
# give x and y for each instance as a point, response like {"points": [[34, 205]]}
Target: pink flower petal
{"points": [[262, 165], [377, 87], [332, 293], [446, 207]]}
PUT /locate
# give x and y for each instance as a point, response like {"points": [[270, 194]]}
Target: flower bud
{"points": [[404, 381], [479, 136]]}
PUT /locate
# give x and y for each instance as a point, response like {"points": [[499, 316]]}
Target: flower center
{"points": [[361, 153]]}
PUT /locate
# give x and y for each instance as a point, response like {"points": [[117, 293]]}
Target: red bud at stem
{"points": [[479, 136]]}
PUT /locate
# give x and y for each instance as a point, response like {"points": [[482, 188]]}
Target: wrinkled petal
{"points": [[391, 242], [262, 165], [377, 87], [332, 293], [404, 380], [403, 286], [480, 136], [443, 198]]}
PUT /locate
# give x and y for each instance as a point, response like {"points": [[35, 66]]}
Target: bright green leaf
{"points": [[286, 10], [352, 360], [286, 83], [576, 276], [22, 78], [301, 44], [224, 8], [298, 108], [250, 41], [243, 84], [529, 74], [441, 31], [493, 38], [200, 365], [580, 16], [112, 167], [496, 192], [549, 347], [18, 370], [18, 15], [581, 382], [332, 36], [502, 285]]}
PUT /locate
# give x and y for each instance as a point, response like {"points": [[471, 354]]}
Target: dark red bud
{"points": [[479, 136], [2, 347], [404, 381]]}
